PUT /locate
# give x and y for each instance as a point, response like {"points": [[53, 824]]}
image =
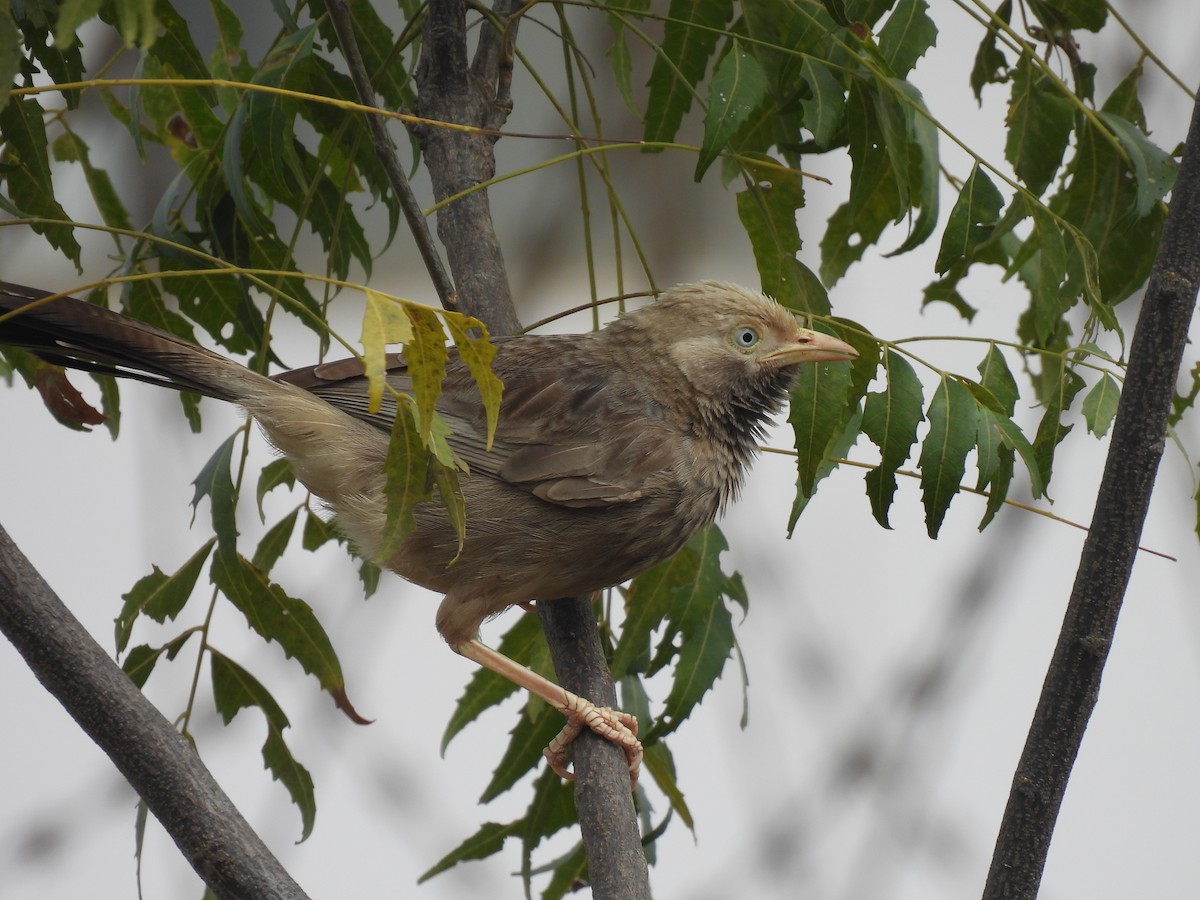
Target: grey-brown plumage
{"points": [[612, 449]]}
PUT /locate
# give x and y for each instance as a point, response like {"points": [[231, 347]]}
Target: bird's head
{"points": [[729, 341]]}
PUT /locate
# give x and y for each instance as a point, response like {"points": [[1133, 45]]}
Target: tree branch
{"points": [[157, 761], [1073, 678], [449, 91]]}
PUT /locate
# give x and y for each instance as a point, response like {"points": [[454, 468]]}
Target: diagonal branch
{"points": [[1073, 678], [156, 759]]}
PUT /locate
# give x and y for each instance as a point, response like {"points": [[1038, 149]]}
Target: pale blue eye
{"points": [[745, 337]]}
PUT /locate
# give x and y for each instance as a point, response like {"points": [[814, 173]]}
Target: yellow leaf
{"points": [[471, 338], [384, 322], [426, 355]]}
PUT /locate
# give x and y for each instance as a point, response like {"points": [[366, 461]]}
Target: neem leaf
{"points": [[235, 689], [952, 430], [384, 322], [738, 85]]}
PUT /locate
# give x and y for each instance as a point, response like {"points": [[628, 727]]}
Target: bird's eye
{"points": [[745, 337]]}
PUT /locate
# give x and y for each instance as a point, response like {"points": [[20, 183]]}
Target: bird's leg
{"points": [[613, 725]]}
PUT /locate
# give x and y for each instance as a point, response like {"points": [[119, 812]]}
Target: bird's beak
{"points": [[811, 346]]}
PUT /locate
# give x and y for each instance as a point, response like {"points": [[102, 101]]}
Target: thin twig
{"points": [[339, 15]]}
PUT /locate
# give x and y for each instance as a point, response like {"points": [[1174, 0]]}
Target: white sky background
{"points": [[840, 787]]}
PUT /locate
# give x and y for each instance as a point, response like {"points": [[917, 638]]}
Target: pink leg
{"points": [[613, 725]]}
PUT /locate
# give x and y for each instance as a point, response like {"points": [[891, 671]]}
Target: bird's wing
{"points": [[567, 433]]}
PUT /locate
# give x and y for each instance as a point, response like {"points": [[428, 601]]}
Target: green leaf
{"points": [[487, 841], [274, 474], [409, 482], [525, 642], [690, 36], [698, 625], [875, 199], [11, 56], [1051, 429], [25, 168], [738, 85], [140, 661], [918, 168], [997, 378], [825, 106], [235, 689], [570, 872], [1100, 405], [661, 766], [274, 542], [69, 147], [890, 420], [1001, 478], [988, 60], [1070, 14], [1039, 121], [952, 431], [529, 737], [275, 616], [971, 221], [906, 36], [215, 482], [1153, 168], [767, 210], [159, 596], [818, 413]]}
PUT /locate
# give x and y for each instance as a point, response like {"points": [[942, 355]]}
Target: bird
{"points": [[612, 447]]}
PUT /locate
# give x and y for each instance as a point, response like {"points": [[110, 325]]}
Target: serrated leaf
{"points": [[767, 210], [69, 147], [470, 338], [817, 413], [11, 57], [485, 842], [875, 199], [997, 378], [1100, 405], [159, 596], [1001, 477], [216, 483], [1154, 169], [738, 85], [971, 221], [839, 448], [1040, 120], [890, 420], [426, 354], [570, 871], [528, 738], [408, 482], [317, 532], [988, 60], [661, 766], [384, 322], [906, 36], [1051, 429], [825, 106], [275, 473], [272, 544], [551, 810], [140, 661], [277, 617], [699, 628], [525, 642], [690, 35], [952, 429], [25, 168], [235, 689]]}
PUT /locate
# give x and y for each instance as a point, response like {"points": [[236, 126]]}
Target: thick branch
{"points": [[1073, 679], [157, 761], [452, 92]]}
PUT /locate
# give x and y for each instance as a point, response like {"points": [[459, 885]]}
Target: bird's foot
{"points": [[611, 724]]}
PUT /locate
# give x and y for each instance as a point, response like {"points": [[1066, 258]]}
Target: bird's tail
{"points": [[81, 335]]}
